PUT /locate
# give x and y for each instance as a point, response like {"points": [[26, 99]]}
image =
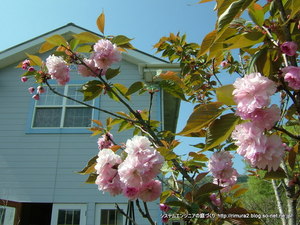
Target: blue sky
{"points": [[145, 21]]}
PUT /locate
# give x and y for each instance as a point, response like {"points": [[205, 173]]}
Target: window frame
{"points": [[57, 207], [100, 206], [9, 214], [63, 106]]}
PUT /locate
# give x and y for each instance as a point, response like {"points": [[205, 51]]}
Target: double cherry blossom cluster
{"points": [[134, 177], [291, 74], [104, 55], [252, 94], [220, 165]]}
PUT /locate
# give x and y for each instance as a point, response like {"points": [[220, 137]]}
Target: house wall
{"points": [[42, 167]]}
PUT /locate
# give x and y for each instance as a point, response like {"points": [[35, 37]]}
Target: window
{"points": [[68, 214], [68, 217], [107, 214], [55, 113], [7, 215], [111, 217]]}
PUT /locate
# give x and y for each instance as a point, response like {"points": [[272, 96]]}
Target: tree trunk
{"points": [[279, 202]]}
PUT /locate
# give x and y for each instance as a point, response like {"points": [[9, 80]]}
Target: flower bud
{"points": [[24, 79], [163, 207], [289, 48], [31, 69], [31, 90], [40, 90], [36, 97]]}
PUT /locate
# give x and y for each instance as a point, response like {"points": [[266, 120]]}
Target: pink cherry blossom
{"points": [[224, 64], [150, 191], [106, 168], [105, 141], [220, 165], [252, 92], [58, 69], [143, 162], [265, 118], [105, 54], [164, 207], [248, 136], [36, 97], [31, 90], [92, 71], [131, 192], [24, 79], [25, 64], [292, 76], [138, 143], [272, 157], [289, 48]]}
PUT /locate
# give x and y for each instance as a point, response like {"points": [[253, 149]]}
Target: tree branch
{"points": [[85, 104]]}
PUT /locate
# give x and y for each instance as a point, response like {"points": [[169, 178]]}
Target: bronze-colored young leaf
{"points": [[256, 13], [207, 188], [89, 168], [101, 22], [235, 9], [239, 192], [46, 46], [92, 178], [278, 174], [120, 40], [86, 37], [244, 40], [165, 195], [224, 94], [57, 40], [201, 117], [207, 42], [35, 60], [220, 129]]}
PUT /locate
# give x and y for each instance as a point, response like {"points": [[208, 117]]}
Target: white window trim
{"points": [[100, 206], [57, 207], [9, 215]]}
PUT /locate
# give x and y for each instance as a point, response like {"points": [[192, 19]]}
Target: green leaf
{"points": [[57, 40], [101, 22], [84, 48], [167, 153], [173, 89], [135, 87], [207, 42], [256, 13], [125, 125], [111, 73], [201, 117], [92, 178], [165, 195], [295, 7], [73, 44], [35, 60], [122, 89], [245, 40], [90, 167], [220, 129], [120, 40], [224, 94], [86, 37], [278, 174], [91, 90], [235, 9]]}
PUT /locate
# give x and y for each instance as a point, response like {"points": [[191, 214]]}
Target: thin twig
{"points": [[85, 104], [124, 214], [297, 137]]}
